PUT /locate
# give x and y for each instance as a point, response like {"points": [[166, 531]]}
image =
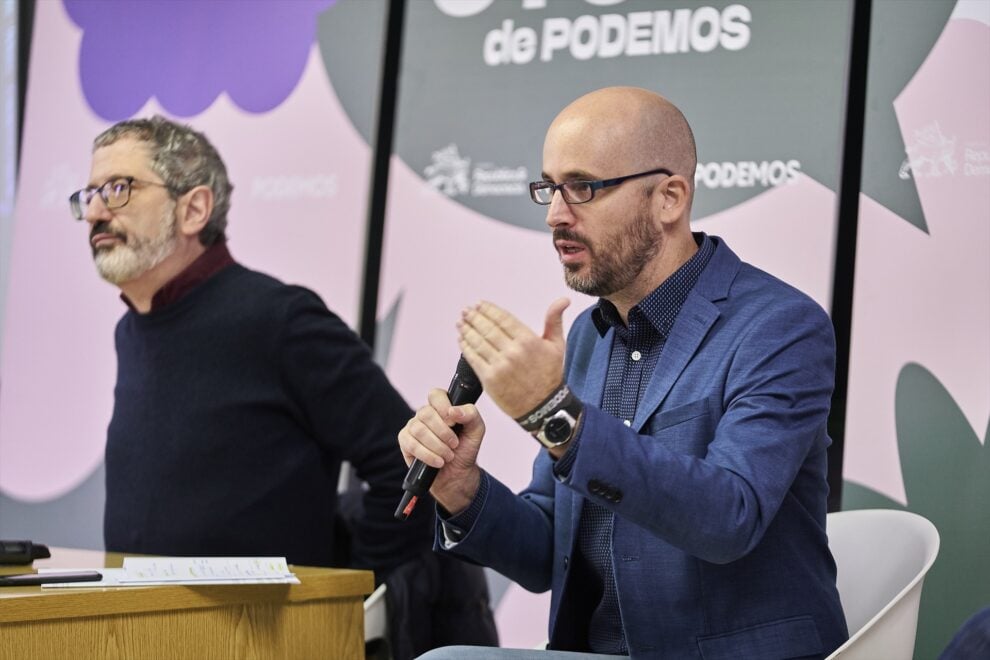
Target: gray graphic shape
{"points": [[780, 97], [351, 36], [385, 331], [900, 41], [74, 520]]}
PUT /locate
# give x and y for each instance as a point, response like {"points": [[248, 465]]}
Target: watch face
{"points": [[557, 430]]}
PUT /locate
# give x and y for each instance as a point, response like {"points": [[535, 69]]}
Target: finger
{"points": [[509, 324], [439, 402], [430, 426], [475, 361], [553, 325], [478, 364], [474, 344], [489, 331], [413, 449], [407, 445], [464, 415], [418, 441]]}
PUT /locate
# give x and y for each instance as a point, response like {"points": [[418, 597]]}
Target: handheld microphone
{"points": [[464, 388]]}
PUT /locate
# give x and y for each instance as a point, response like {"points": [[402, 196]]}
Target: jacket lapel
{"points": [[594, 387], [693, 322]]}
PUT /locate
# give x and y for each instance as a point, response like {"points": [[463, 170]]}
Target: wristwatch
{"points": [[558, 428]]}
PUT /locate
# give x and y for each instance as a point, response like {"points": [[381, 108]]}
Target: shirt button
{"points": [[636, 356], [627, 422]]}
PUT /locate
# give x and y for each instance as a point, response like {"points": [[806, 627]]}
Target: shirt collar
{"points": [[212, 261], [662, 305]]}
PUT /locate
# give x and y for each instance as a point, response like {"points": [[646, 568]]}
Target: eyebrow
{"points": [[112, 177], [573, 175]]}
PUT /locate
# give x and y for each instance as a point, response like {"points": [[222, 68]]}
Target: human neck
{"points": [[141, 290]]}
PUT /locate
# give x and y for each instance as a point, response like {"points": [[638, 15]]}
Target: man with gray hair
{"points": [[238, 396]]}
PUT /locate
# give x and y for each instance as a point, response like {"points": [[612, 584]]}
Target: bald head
{"points": [[628, 129], [630, 238]]}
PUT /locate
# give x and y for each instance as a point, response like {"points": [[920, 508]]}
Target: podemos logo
{"points": [[638, 33], [747, 174]]}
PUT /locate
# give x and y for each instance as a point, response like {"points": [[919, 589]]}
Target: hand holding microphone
{"points": [[464, 388], [520, 368]]}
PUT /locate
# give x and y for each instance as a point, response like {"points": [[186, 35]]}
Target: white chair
{"points": [[882, 556], [375, 621]]}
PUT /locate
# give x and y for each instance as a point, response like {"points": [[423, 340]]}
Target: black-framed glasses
{"points": [[579, 192], [115, 193]]}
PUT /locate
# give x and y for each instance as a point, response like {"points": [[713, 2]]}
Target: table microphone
{"points": [[464, 388]]}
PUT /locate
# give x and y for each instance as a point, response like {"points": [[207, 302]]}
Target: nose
{"points": [[96, 210], [559, 212]]}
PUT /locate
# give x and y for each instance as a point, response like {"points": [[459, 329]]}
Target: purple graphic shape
{"points": [[187, 53]]}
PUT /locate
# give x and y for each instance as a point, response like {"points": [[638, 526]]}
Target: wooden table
{"points": [[321, 618]]}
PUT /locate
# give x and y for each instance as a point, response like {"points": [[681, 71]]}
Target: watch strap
{"points": [[533, 420]]}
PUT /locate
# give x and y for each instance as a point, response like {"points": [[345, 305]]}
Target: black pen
{"points": [[26, 579]]}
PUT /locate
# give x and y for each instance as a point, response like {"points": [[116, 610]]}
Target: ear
{"points": [[193, 210], [673, 199]]}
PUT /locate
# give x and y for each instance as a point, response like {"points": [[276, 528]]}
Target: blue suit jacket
{"points": [[718, 487]]}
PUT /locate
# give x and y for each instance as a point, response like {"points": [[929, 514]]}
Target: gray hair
{"points": [[184, 159]]}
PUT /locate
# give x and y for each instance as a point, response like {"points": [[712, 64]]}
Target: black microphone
{"points": [[464, 388]]}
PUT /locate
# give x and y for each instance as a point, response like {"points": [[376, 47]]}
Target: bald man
{"points": [[678, 510]]}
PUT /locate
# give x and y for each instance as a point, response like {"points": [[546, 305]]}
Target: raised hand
{"points": [[517, 367]]}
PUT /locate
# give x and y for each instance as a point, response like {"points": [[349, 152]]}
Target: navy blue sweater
{"points": [[233, 410]]}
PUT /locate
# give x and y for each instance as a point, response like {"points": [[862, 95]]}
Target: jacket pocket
{"points": [[794, 637], [686, 429], [667, 418]]}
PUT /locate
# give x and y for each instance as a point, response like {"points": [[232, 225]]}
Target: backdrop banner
{"points": [[255, 78], [762, 83], [918, 412]]}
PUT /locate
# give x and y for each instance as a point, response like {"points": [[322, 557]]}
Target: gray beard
{"points": [[127, 261], [617, 261]]}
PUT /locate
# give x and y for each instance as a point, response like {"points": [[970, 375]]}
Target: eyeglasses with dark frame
{"points": [[115, 193], [580, 192]]}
